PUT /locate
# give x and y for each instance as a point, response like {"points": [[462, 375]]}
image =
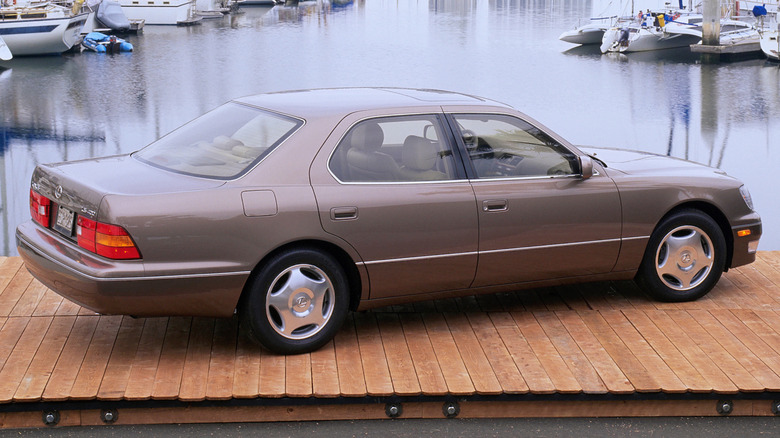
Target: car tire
{"points": [[297, 302], [684, 258]]}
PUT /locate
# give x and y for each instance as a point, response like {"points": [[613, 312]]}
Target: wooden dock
{"points": [[602, 349]]}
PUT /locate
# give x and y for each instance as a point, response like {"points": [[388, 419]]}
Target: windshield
{"points": [[224, 143]]}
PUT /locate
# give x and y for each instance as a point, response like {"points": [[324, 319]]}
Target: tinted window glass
{"points": [[502, 146], [404, 149], [223, 143]]}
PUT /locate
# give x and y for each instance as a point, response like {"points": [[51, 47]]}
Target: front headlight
{"points": [[746, 196]]}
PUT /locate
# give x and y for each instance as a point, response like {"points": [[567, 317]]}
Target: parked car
{"points": [[292, 208]]}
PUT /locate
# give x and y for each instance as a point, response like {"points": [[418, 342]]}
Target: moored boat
{"points": [[770, 44], [160, 11], [39, 30], [102, 43]]}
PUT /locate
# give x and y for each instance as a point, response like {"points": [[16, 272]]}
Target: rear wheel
{"points": [[297, 302], [684, 258]]}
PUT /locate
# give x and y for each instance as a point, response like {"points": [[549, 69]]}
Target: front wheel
{"points": [[684, 258], [297, 302]]}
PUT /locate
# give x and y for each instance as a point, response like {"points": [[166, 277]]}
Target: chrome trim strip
{"points": [[555, 245], [412, 259], [496, 251]]}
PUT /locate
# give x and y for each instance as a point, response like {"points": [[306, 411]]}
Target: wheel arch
{"points": [[341, 256], [717, 215]]}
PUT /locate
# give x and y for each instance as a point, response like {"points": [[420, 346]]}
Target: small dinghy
{"points": [[102, 43]]}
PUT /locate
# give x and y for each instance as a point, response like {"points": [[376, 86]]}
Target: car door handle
{"points": [[343, 213], [494, 205]]}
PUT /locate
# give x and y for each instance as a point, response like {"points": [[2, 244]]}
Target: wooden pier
{"points": [[602, 349]]}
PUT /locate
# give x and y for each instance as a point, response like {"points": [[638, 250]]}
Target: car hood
{"points": [[645, 163], [81, 185]]}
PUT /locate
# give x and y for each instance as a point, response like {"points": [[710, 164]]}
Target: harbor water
{"points": [[75, 106]]}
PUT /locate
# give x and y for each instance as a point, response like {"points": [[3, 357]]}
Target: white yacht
{"points": [[590, 33], [653, 32], [159, 11], [770, 44], [40, 29]]}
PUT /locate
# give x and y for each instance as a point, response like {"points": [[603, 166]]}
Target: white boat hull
{"points": [[644, 40], [770, 45], [158, 11], [588, 34], [41, 36]]}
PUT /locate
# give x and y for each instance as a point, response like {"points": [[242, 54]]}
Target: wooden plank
{"points": [[640, 378], [71, 358], [715, 377], [195, 374], [504, 368], [579, 365], [170, 367], [9, 336], [29, 299], [298, 380], [522, 354], [510, 302], [760, 358], [141, 379], [223, 360], [613, 378], [762, 283], [421, 350], [706, 341], [594, 295], [118, 370], [350, 367], [95, 361], [20, 358], [642, 350], [771, 318], [447, 355], [479, 369], [8, 270], [676, 362], [552, 299], [762, 327], [272, 375], [11, 294], [372, 356], [246, 377], [68, 307], [49, 304], [40, 369], [764, 300], [545, 351], [399, 359], [324, 373]]}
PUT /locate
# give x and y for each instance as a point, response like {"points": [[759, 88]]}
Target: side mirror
{"points": [[586, 166]]}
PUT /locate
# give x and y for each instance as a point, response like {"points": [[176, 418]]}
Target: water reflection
{"points": [[76, 106]]}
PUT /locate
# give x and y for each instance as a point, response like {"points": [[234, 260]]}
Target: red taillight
{"points": [[85, 233], [109, 241], [40, 208]]}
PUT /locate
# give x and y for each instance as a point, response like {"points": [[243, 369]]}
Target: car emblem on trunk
{"points": [[58, 192]]}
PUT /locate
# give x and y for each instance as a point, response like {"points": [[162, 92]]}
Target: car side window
{"points": [[394, 149], [501, 146]]}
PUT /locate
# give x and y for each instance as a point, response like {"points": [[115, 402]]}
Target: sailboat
{"points": [[39, 30]]}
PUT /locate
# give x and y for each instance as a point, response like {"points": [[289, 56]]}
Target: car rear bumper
{"points": [[121, 287]]}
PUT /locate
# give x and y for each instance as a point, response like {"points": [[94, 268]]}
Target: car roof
{"points": [[335, 101]]}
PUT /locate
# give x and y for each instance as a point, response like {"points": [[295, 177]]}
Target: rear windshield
{"points": [[223, 144]]}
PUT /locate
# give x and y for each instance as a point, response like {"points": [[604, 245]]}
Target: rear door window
{"points": [[394, 149]]}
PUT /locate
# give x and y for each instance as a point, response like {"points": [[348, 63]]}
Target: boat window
{"points": [[224, 143], [501, 146]]}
